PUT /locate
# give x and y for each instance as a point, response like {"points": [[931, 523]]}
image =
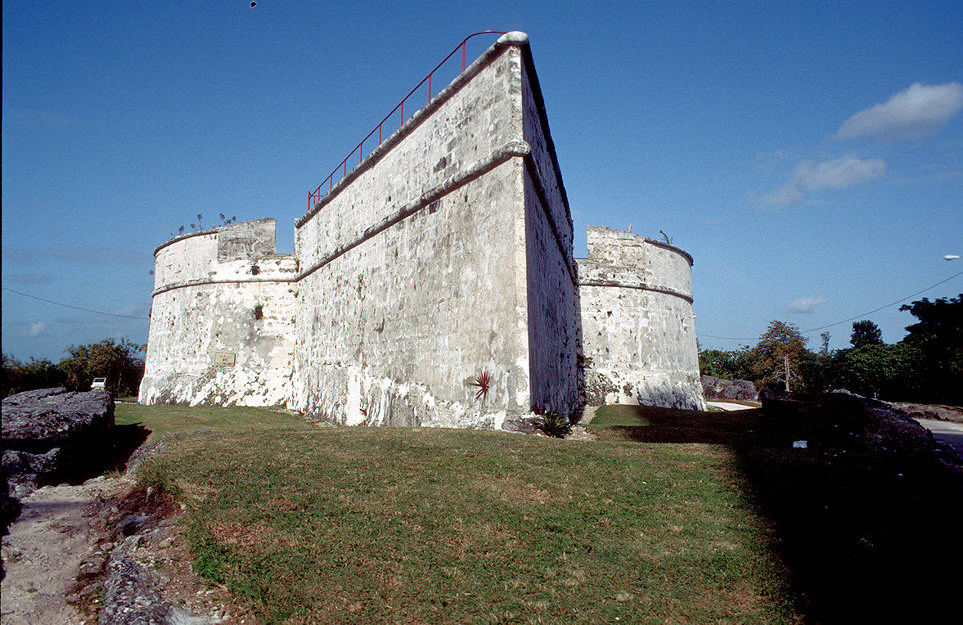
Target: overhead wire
{"points": [[836, 323], [50, 301], [728, 338]]}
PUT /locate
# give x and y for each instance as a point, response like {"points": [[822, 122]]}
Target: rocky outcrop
{"points": [[718, 389], [50, 434], [929, 411], [841, 419], [130, 598]]}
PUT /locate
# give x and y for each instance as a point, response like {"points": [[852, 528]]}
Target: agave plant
{"points": [[482, 382], [551, 423]]}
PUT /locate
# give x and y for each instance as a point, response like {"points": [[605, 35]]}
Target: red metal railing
{"points": [[316, 195]]}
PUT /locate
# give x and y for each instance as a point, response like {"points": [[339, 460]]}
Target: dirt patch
{"points": [[516, 492], [55, 557], [43, 552]]}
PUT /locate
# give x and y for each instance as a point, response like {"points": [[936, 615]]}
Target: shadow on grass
{"points": [[868, 533], [113, 457]]}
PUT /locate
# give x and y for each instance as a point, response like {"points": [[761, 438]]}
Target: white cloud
{"points": [[916, 112], [806, 304], [811, 176], [131, 310], [789, 194], [36, 328], [768, 160], [842, 172]]}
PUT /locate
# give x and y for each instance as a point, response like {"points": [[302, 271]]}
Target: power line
{"points": [[829, 325], [49, 301], [899, 301], [711, 336], [728, 338]]}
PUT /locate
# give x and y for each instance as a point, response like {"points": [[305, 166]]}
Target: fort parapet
{"points": [[433, 285]]}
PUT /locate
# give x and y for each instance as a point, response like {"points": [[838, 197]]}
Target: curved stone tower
{"points": [[222, 319], [638, 328]]}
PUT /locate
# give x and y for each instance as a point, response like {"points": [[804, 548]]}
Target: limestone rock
{"points": [[925, 411], [48, 433], [719, 389], [131, 599], [842, 419]]}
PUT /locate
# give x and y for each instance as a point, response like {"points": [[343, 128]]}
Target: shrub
{"points": [[553, 424]]}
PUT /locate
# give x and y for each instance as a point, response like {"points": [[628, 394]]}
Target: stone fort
{"points": [[433, 285]]}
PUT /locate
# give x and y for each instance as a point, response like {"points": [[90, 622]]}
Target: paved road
{"points": [[728, 406], [946, 431]]}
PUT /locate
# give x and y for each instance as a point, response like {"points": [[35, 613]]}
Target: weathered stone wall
{"points": [[552, 280], [222, 319], [637, 322], [417, 272], [434, 285]]}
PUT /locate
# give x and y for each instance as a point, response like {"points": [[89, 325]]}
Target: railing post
{"points": [[402, 114], [463, 54], [429, 87]]}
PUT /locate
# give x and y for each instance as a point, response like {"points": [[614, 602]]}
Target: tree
{"points": [[18, 376], [778, 353], [883, 371], [938, 335], [119, 362], [870, 368], [865, 333], [728, 365], [824, 344]]}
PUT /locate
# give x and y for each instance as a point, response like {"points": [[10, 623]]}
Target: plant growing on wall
{"points": [[482, 382], [258, 312], [194, 227]]}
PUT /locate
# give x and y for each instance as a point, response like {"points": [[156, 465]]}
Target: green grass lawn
{"points": [[161, 420], [868, 533], [315, 525]]}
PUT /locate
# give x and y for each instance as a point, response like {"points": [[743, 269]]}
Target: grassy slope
{"points": [[161, 420], [867, 532], [429, 525]]}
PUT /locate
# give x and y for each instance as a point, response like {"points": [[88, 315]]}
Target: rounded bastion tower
{"points": [[638, 328], [222, 319]]}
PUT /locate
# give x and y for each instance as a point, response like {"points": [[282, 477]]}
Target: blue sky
{"points": [[809, 156]]}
